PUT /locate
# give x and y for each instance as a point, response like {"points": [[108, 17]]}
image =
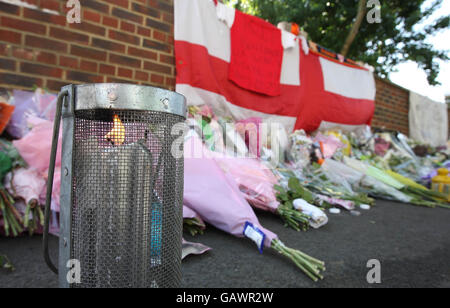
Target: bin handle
{"points": [[51, 173]]}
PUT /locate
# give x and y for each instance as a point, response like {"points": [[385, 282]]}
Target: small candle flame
{"points": [[117, 134]]}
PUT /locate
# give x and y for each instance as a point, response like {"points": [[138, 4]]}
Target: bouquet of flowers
{"points": [[229, 211], [417, 195], [28, 185], [334, 189], [256, 182], [11, 220], [363, 183]]}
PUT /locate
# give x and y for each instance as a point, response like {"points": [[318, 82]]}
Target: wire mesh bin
{"points": [[121, 187]]}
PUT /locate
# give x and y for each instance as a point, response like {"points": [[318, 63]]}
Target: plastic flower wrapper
{"points": [[299, 151], [227, 210], [28, 184], [417, 196], [321, 188], [364, 183], [284, 172], [381, 146], [192, 221], [254, 179], [233, 141], [35, 149], [190, 248], [418, 171], [202, 110], [213, 135], [295, 184], [318, 218], [332, 190], [440, 199], [297, 197], [345, 144], [360, 134], [30, 104], [210, 129], [373, 172], [330, 144], [274, 143], [346, 204], [249, 129], [256, 182], [398, 146]]}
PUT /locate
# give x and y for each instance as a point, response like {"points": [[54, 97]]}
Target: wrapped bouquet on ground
{"points": [[256, 182], [229, 211]]}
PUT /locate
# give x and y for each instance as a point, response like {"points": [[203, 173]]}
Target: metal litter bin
{"points": [[121, 187]]}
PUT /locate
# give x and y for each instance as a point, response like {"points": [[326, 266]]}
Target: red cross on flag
{"points": [[312, 88]]}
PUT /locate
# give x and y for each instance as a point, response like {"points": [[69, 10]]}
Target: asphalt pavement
{"points": [[411, 243]]}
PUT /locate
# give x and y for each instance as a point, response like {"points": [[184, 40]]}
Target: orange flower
{"points": [[295, 29], [6, 112]]}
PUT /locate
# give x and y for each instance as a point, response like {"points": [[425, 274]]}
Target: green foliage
{"points": [[296, 191], [398, 38], [299, 191], [5, 166], [7, 149], [291, 217]]}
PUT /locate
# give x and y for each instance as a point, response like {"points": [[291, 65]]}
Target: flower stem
{"points": [[293, 218], [309, 265]]}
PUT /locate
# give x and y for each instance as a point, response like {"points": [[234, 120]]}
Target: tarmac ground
{"points": [[411, 243]]}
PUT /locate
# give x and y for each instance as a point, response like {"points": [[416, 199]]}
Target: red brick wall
{"points": [[391, 107], [117, 41]]}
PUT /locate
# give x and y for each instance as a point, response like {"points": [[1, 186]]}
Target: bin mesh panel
{"points": [[127, 199]]}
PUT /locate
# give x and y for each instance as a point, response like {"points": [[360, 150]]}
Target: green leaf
{"points": [[299, 190], [279, 189], [5, 165], [283, 197], [294, 184]]}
